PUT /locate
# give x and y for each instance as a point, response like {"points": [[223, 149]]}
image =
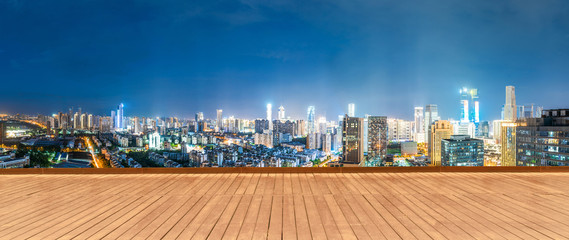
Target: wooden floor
{"points": [[286, 206]]}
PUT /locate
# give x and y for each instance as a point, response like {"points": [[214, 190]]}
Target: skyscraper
{"points": [[439, 130], [431, 115], [470, 111], [219, 120], [311, 123], [119, 122], [419, 134], [270, 116], [199, 119], [352, 140], [510, 109], [281, 114], [351, 110], [508, 140], [377, 137]]}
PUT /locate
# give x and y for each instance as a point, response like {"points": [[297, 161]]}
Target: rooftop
{"points": [[372, 205]]}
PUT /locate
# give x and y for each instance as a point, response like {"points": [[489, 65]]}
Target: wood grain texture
{"points": [[263, 205]]}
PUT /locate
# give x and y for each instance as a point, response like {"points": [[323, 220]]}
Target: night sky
{"points": [[174, 58]]}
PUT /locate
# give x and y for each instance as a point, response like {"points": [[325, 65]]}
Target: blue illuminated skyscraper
{"points": [[311, 124], [119, 122], [469, 110]]}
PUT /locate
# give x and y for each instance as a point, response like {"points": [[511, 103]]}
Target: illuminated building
{"points": [[270, 116], [544, 141], [219, 121], [431, 115], [352, 140], [510, 109], [399, 130], [418, 132], [439, 130], [119, 122], [311, 127], [508, 141], [470, 111], [529, 111], [281, 113], [327, 143], [377, 137], [351, 110], [198, 119], [461, 150]]}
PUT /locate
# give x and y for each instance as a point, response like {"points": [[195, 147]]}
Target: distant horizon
{"points": [[212, 114]]}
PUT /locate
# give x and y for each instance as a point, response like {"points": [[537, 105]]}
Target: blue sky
{"points": [[174, 58]]}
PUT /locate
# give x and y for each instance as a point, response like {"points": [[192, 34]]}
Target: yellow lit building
{"points": [[508, 141], [438, 131]]}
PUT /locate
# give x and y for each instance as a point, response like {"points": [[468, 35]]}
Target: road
{"points": [[90, 146]]}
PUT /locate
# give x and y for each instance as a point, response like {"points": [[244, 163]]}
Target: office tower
{"points": [[198, 119], [351, 110], [377, 137], [461, 150], [322, 125], [219, 120], [510, 109], [311, 127], [352, 140], [113, 119], [483, 129], [431, 115], [281, 113], [136, 125], [300, 128], [544, 141], [327, 143], [120, 117], [497, 130], [399, 130], [465, 128], [270, 116], [529, 111], [508, 141], [439, 130], [418, 132], [470, 111]]}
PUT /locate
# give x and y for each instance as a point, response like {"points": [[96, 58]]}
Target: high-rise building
{"points": [[198, 119], [120, 117], [431, 115], [399, 130], [544, 141], [461, 150], [510, 109], [508, 141], [281, 113], [439, 130], [470, 111], [351, 110], [270, 116], [311, 127], [377, 137], [529, 111], [418, 131], [352, 140], [219, 121]]}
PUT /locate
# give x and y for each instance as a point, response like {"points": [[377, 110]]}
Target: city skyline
{"points": [[178, 59]]}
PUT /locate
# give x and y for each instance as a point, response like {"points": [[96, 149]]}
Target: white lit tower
{"points": [[311, 124], [270, 116], [351, 110]]}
